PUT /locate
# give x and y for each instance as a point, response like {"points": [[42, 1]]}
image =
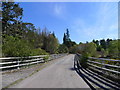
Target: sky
{"points": [[85, 20]]}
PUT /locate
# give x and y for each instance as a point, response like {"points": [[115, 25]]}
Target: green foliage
{"points": [[99, 48], [11, 18], [74, 49], [62, 49], [68, 43], [88, 48], [38, 51], [113, 49], [66, 39], [17, 47], [23, 39], [83, 60], [103, 43], [108, 48], [46, 58], [52, 44], [104, 52]]}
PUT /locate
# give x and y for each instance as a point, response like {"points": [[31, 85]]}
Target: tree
{"points": [[104, 52], [11, 18], [113, 49], [16, 47], [22, 38], [103, 43], [67, 35], [52, 44], [74, 49], [66, 39], [88, 48], [108, 42], [99, 48], [80, 43], [97, 44], [62, 49]]}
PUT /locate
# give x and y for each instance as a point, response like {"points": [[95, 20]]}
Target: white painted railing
{"points": [[17, 62], [100, 72], [102, 64]]}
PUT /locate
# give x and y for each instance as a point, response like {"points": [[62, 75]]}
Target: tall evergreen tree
{"points": [[11, 18], [103, 43], [64, 39], [108, 42], [67, 35]]}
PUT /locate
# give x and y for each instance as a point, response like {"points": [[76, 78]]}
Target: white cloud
{"points": [[59, 10]]}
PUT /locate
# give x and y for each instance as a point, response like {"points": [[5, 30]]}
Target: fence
{"points": [[106, 67], [9, 63]]}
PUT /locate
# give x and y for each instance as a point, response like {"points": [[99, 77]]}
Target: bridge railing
{"points": [[109, 67], [17, 62], [9, 63], [105, 65]]}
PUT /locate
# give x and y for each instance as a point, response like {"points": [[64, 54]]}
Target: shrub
{"points": [[38, 51], [83, 60], [14, 46], [46, 58], [62, 49]]}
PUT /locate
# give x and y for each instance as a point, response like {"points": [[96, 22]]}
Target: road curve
{"points": [[60, 74]]}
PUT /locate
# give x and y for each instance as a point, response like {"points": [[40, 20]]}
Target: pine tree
{"points": [[11, 18]]}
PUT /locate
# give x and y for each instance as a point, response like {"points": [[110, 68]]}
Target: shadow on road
{"points": [[72, 69], [91, 77]]}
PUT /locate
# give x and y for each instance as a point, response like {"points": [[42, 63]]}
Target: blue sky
{"points": [[85, 20]]}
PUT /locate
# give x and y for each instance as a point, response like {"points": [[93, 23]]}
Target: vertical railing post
{"points": [[38, 60], [18, 63], [103, 66], [28, 58]]}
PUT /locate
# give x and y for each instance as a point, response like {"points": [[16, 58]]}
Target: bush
{"points": [[38, 51], [74, 49], [14, 46], [83, 60], [113, 49], [88, 48], [63, 49], [46, 58]]}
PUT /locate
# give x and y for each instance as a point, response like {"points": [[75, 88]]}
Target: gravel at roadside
{"points": [[10, 77]]}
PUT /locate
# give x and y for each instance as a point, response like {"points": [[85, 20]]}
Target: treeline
{"points": [[101, 48], [24, 39], [108, 48]]}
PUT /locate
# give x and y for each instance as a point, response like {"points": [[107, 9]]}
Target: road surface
{"points": [[60, 74]]}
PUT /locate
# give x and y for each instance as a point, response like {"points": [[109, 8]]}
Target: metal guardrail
{"points": [[17, 62]]}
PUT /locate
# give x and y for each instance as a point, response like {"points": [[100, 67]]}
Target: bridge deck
{"points": [[60, 74]]}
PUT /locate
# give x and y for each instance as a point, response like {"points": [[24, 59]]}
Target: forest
{"points": [[24, 39]]}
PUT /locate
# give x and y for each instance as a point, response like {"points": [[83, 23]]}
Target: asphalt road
{"points": [[60, 74]]}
